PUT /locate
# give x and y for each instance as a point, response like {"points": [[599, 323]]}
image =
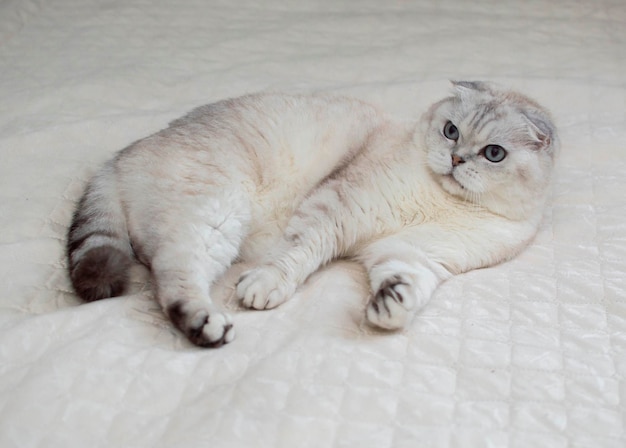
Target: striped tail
{"points": [[98, 248]]}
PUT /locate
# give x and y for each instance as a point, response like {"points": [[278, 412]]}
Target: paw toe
{"points": [[217, 331], [387, 314], [262, 288], [390, 306]]}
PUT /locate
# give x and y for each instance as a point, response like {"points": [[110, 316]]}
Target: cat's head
{"points": [[491, 146]]}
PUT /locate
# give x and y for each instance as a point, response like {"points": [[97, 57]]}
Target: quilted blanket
{"points": [[530, 353]]}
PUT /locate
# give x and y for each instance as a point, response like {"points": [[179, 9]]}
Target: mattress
{"points": [[530, 353]]}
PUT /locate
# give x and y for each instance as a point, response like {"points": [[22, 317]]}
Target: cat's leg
{"points": [[321, 229], [402, 276], [406, 268], [184, 266]]}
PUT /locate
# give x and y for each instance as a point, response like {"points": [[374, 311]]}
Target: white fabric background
{"points": [[531, 353]]}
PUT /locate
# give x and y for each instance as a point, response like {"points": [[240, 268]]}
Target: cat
{"points": [[289, 183]]}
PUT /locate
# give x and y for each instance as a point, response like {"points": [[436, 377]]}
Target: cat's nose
{"points": [[456, 160]]}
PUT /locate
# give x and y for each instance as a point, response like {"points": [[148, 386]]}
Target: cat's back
{"points": [[296, 134], [269, 137], [279, 118]]}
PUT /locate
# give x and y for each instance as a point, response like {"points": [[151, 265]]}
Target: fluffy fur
{"points": [[289, 183]]}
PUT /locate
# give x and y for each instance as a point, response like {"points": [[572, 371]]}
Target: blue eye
{"points": [[450, 131], [494, 153]]}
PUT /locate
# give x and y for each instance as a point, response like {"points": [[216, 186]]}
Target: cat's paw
{"points": [[264, 288], [392, 304], [202, 324]]}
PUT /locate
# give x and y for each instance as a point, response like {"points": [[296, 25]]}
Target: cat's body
{"points": [[289, 183]]}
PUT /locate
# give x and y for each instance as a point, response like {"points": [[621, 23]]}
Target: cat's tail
{"points": [[98, 247]]}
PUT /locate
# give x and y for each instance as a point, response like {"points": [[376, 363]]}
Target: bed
{"points": [[530, 353]]}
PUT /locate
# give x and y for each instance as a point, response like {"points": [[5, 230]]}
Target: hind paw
{"points": [[203, 326]]}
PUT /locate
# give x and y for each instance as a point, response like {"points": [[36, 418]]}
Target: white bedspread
{"points": [[531, 353]]}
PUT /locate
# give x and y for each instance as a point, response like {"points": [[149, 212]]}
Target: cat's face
{"points": [[491, 147]]}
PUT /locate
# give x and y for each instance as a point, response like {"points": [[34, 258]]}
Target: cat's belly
{"points": [[271, 209], [262, 237]]}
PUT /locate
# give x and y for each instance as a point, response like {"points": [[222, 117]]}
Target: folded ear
{"points": [[464, 86], [541, 129]]}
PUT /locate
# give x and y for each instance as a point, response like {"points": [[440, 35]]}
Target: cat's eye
{"points": [[494, 153], [450, 131]]}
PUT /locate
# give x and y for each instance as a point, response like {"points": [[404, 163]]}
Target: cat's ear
{"points": [[541, 130], [464, 87]]}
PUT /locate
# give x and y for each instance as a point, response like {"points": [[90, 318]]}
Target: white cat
{"points": [[290, 183]]}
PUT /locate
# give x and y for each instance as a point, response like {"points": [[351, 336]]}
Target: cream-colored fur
{"points": [[289, 183]]}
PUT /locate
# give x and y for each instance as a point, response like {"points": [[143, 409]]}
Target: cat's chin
{"points": [[453, 186]]}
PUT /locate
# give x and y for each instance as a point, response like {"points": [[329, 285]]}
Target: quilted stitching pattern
{"points": [[529, 353]]}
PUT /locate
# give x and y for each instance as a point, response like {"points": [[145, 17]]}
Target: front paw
{"points": [[264, 288], [392, 304]]}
